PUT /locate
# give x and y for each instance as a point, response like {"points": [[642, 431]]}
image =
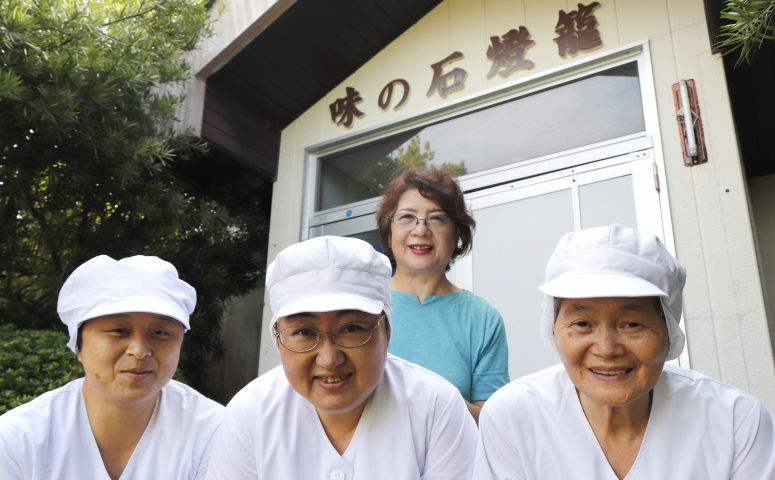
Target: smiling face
{"points": [[613, 348], [129, 357], [420, 250], [336, 380]]}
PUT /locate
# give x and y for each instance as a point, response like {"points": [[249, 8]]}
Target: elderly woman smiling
{"points": [[613, 409], [340, 407]]}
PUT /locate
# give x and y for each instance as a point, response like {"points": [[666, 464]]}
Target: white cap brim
{"points": [[145, 304], [598, 285]]}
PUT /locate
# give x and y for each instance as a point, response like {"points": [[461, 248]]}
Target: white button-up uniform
{"points": [[414, 426], [534, 428], [51, 438]]}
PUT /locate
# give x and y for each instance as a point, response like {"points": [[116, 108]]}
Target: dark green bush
{"points": [[33, 362], [36, 361]]}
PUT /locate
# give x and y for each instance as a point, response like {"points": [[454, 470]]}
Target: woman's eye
{"points": [[632, 324], [351, 328], [581, 323], [406, 217], [161, 332], [303, 332]]}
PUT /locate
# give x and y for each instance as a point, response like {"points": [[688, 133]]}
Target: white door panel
{"points": [[519, 224]]}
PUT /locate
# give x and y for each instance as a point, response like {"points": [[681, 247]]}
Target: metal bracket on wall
{"points": [[689, 123]]}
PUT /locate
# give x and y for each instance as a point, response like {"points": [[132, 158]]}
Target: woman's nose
{"points": [[420, 228], [139, 346], [607, 343], [329, 354]]}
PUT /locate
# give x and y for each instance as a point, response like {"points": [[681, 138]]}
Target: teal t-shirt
{"points": [[457, 335]]}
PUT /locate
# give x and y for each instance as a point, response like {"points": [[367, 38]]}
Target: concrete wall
{"points": [[241, 331], [724, 310]]}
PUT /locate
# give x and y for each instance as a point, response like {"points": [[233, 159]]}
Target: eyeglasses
{"points": [[302, 339], [407, 221]]}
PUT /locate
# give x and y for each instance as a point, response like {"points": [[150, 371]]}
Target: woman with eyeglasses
{"points": [[423, 227], [340, 407]]}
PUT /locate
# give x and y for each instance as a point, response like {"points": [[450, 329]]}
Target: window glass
{"points": [[585, 111]]}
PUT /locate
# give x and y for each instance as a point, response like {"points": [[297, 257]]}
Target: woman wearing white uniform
{"points": [[613, 409], [126, 418], [340, 407]]}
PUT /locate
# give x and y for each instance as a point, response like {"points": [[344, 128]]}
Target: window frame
{"points": [[346, 219]]}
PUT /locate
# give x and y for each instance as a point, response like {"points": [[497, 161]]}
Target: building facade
{"points": [[555, 115]]}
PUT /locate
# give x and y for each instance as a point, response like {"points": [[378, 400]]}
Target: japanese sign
{"points": [[576, 32]]}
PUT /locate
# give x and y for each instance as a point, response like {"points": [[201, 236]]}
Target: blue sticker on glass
{"points": [[349, 213]]}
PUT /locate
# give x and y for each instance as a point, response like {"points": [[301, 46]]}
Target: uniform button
{"points": [[336, 474]]}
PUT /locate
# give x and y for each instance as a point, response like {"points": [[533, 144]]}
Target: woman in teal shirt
{"points": [[424, 226]]}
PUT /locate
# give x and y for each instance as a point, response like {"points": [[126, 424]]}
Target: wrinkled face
{"points": [[613, 348], [129, 357], [420, 249], [336, 380]]}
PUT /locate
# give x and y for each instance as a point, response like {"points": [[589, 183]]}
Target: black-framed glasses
{"points": [[435, 221], [302, 338]]}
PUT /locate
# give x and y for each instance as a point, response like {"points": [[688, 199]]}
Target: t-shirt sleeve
{"points": [[233, 455], [451, 441], [754, 444], [491, 371]]}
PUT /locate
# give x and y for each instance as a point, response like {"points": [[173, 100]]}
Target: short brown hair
{"points": [[435, 184]]}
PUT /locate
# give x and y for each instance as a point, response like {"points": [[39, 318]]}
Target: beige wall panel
{"points": [[433, 44], [397, 60], [283, 231], [684, 220], [608, 24], [680, 185], [686, 12], [503, 15], [289, 140], [316, 124], [286, 205], [701, 341], [467, 28], [540, 18], [713, 238], [730, 351], [641, 19]]}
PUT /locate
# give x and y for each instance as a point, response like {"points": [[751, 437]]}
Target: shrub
{"points": [[36, 361], [32, 362]]}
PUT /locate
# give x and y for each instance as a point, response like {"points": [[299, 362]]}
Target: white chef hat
{"points": [[615, 261], [104, 286], [328, 273]]}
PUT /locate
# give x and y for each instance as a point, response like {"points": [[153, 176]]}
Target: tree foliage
{"points": [[90, 162], [750, 23]]}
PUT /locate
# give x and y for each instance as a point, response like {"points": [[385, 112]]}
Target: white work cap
{"points": [[104, 286], [328, 273], [615, 261]]}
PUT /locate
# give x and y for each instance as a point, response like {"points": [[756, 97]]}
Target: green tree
{"points": [[750, 23], [90, 162]]}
